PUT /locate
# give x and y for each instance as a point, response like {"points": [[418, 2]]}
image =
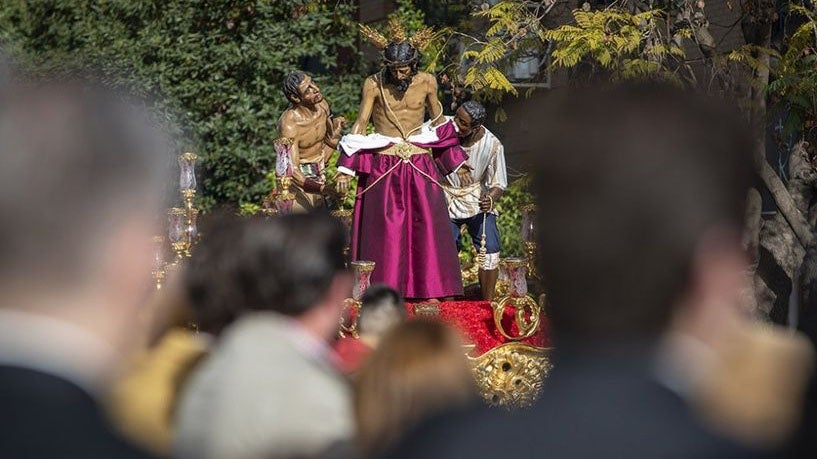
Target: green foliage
{"points": [[249, 208], [622, 43], [794, 81], [409, 15], [509, 207], [217, 65], [414, 19], [513, 29]]}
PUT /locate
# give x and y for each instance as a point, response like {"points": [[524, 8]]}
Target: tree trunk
{"points": [[757, 30], [780, 255], [751, 235], [785, 238], [794, 217]]}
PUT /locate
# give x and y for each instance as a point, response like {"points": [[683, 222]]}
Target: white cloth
{"points": [[352, 143], [266, 391], [56, 347], [486, 158]]}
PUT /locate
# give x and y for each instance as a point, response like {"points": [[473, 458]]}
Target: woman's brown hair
{"points": [[418, 369]]}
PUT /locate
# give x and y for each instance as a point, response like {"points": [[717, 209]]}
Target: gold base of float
{"points": [[511, 375]]}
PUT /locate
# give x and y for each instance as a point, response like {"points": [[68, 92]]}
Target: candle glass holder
{"points": [[187, 171], [283, 156], [514, 272], [362, 270], [363, 278], [177, 232]]}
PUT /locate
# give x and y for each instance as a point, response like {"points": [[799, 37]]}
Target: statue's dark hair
{"points": [[476, 111], [401, 54], [291, 83]]}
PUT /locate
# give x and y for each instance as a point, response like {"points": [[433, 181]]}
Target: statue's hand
{"points": [[342, 183], [338, 123], [486, 203]]}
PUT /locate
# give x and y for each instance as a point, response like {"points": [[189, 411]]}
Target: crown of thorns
{"points": [[397, 34]]}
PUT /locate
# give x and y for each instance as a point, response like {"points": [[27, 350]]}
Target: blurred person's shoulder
{"points": [[48, 416], [609, 416]]}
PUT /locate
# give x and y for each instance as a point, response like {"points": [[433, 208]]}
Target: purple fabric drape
{"points": [[402, 222]]}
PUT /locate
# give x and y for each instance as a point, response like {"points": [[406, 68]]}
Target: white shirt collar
{"points": [[683, 362]]}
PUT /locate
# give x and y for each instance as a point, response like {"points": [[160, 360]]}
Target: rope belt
{"points": [[405, 151]]}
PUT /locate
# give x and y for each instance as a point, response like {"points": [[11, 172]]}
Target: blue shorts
{"points": [[475, 230]]}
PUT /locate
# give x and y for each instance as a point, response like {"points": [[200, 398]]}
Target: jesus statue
{"points": [[401, 219]]}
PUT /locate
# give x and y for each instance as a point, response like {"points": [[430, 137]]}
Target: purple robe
{"points": [[402, 222]]}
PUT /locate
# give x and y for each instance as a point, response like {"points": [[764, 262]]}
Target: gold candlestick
{"points": [[286, 183], [528, 233], [158, 271], [190, 230], [187, 198]]}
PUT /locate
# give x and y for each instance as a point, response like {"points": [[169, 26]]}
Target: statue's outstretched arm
{"points": [[364, 113], [435, 108], [333, 131]]}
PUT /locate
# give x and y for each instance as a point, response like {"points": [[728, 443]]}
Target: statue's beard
{"points": [[400, 85]]}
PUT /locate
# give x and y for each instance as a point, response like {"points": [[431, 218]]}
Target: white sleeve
{"points": [[498, 176]]}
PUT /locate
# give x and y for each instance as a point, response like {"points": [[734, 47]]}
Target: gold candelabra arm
{"points": [[530, 257]]}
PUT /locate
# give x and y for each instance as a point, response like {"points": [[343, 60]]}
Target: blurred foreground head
{"points": [[640, 193], [292, 265], [80, 180], [418, 370], [381, 308]]}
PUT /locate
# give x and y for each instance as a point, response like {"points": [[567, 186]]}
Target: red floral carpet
{"points": [[475, 319]]}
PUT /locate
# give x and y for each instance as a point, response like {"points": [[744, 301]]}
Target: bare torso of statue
{"points": [[398, 113], [308, 129]]}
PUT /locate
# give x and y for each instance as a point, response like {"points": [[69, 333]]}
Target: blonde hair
{"points": [[418, 369]]}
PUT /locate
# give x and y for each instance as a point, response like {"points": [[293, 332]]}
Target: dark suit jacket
{"points": [[44, 416], [592, 407]]}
